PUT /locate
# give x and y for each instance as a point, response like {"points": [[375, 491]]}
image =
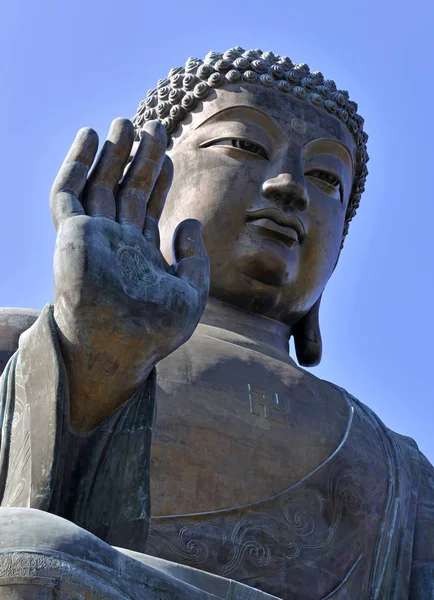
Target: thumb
{"points": [[190, 257]]}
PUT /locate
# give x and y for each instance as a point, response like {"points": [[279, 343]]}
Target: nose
{"points": [[287, 192]]}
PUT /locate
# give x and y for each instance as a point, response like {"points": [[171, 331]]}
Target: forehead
{"points": [[278, 113]]}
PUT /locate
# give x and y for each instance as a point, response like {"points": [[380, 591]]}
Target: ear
{"points": [[307, 338]]}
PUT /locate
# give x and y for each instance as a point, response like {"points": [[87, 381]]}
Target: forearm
{"points": [[103, 371], [99, 481]]}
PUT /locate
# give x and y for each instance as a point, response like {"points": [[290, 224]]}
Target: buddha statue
{"points": [[188, 254]]}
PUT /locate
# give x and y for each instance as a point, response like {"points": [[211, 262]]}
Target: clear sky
{"points": [[64, 65]]}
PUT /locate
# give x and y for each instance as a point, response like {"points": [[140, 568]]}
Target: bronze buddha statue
{"points": [[265, 480]]}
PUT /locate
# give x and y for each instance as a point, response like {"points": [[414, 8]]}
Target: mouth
{"points": [[287, 228]]}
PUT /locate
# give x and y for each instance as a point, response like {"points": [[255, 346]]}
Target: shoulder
{"points": [[406, 445], [13, 322]]}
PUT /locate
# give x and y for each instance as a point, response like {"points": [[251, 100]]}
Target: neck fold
{"points": [[255, 327]]}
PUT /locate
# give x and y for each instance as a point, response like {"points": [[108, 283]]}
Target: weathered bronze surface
{"points": [[264, 479]]}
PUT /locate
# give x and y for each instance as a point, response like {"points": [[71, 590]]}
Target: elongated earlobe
{"points": [[307, 338]]}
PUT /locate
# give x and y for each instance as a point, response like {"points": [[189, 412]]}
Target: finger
{"points": [[187, 240], [71, 178], [99, 198], [190, 255], [156, 202], [161, 189], [140, 178]]}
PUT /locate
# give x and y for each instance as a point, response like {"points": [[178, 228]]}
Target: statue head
{"points": [[271, 158]]}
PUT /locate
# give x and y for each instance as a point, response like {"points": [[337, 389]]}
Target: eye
{"points": [[328, 180], [246, 146], [250, 147]]}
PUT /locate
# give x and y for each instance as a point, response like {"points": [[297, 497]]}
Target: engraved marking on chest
{"points": [[267, 406], [134, 267]]}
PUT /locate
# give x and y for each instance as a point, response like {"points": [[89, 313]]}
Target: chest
{"points": [[315, 537], [236, 426]]}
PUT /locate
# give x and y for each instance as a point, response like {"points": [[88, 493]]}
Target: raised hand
{"points": [[118, 305]]}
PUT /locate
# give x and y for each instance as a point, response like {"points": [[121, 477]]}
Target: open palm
{"points": [[114, 293]]}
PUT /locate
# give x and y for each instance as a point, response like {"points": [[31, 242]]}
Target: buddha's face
{"points": [[269, 177]]}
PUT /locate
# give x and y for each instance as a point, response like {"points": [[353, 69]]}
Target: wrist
{"points": [[103, 369]]}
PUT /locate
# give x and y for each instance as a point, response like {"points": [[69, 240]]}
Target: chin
{"points": [[252, 286], [268, 262]]}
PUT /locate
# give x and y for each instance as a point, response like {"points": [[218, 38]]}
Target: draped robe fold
{"points": [[100, 482]]}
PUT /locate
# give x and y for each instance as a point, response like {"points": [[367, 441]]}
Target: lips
{"points": [[273, 220]]}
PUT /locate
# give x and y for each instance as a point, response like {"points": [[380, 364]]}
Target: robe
{"points": [[359, 525]]}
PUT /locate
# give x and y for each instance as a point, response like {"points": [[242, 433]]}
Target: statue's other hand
{"points": [[115, 295]]}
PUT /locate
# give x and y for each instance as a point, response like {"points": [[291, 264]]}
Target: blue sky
{"points": [[64, 65]]}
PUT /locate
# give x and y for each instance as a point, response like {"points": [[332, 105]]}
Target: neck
{"points": [[255, 327]]}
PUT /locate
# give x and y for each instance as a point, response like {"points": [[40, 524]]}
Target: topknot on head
{"points": [[184, 87]]}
